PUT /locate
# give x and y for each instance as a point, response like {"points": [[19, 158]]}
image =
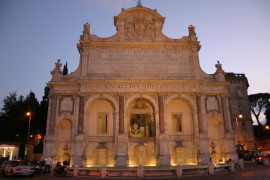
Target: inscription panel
{"points": [[148, 87], [135, 61], [212, 103]]}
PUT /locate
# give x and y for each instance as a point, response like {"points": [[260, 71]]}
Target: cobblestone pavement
{"points": [[249, 173]]}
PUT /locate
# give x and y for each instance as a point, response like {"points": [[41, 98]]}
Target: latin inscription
{"points": [[138, 61], [138, 86]]}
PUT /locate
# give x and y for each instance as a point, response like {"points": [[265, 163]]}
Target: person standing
{"points": [[48, 163]]}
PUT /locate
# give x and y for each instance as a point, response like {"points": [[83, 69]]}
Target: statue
{"points": [[58, 65], [86, 28], [213, 150], [135, 130], [150, 30], [129, 29], [191, 30], [219, 67], [139, 3]]}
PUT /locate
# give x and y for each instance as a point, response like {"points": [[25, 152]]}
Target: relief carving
{"points": [[128, 95], [139, 27], [154, 96]]}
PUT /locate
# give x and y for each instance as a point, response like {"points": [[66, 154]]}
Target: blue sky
{"points": [[35, 33]]}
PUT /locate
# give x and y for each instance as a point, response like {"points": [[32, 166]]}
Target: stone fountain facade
{"points": [[141, 98]]}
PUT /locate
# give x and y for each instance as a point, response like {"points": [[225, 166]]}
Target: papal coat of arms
{"points": [[139, 27]]}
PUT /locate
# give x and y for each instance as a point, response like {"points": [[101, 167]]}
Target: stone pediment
{"points": [[139, 23], [138, 50]]}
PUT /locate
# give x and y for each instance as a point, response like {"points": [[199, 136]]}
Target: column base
{"points": [[164, 161], [121, 161]]}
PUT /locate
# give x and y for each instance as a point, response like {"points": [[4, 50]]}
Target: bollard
{"points": [[179, 171], [241, 164], [103, 172], [140, 171], [75, 172], [266, 162], [210, 168], [231, 166]]}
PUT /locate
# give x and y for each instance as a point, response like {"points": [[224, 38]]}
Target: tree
{"points": [[267, 114], [258, 103], [14, 122], [65, 69], [43, 109], [32, 105]]}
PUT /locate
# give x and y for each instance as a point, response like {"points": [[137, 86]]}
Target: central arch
{"points": [[141, 119], [141, 122]]}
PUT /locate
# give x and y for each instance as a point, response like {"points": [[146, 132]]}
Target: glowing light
{"points": [[192, 163], [38, 136], [151, 165]]}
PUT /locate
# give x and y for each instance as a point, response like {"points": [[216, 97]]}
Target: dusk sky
{"points": [[35, 33]]}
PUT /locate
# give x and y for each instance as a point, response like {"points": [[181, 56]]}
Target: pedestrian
{"points": [[48, 163]]}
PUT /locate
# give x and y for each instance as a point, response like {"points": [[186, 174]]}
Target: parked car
{"points": [[259, 159], [16, 168]]}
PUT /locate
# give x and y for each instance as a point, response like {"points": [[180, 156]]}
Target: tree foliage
{"points": [[267, 114], [13, 119], [65, 69], [259, 103]]}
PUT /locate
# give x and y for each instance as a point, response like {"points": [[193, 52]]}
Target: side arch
{"points": [[114, 105], [64, 134], [187, 98]]}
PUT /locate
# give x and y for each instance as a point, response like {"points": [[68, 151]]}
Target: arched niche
{"points": [[179, 117], [65, 130], [100, 116], [215, 140], [141, 119], [62, 149]]}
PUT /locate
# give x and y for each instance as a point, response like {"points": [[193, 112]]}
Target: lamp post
{"points": [[240, 117], [238, 145], [28, 135]]}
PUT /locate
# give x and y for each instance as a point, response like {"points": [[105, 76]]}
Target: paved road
{"points": [[249, 173]]}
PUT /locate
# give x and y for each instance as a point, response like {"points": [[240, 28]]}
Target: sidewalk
{"points": [[252, 172]]}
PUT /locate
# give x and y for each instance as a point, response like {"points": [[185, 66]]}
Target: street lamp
{"points": [[29, 120], [240, 116]]}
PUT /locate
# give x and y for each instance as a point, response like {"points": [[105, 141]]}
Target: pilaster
{"points": [[201, 113], [81, 114], [121, 154], [164, 155], [53, 107], [226, 114], [121, 113], [161, 113]]}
